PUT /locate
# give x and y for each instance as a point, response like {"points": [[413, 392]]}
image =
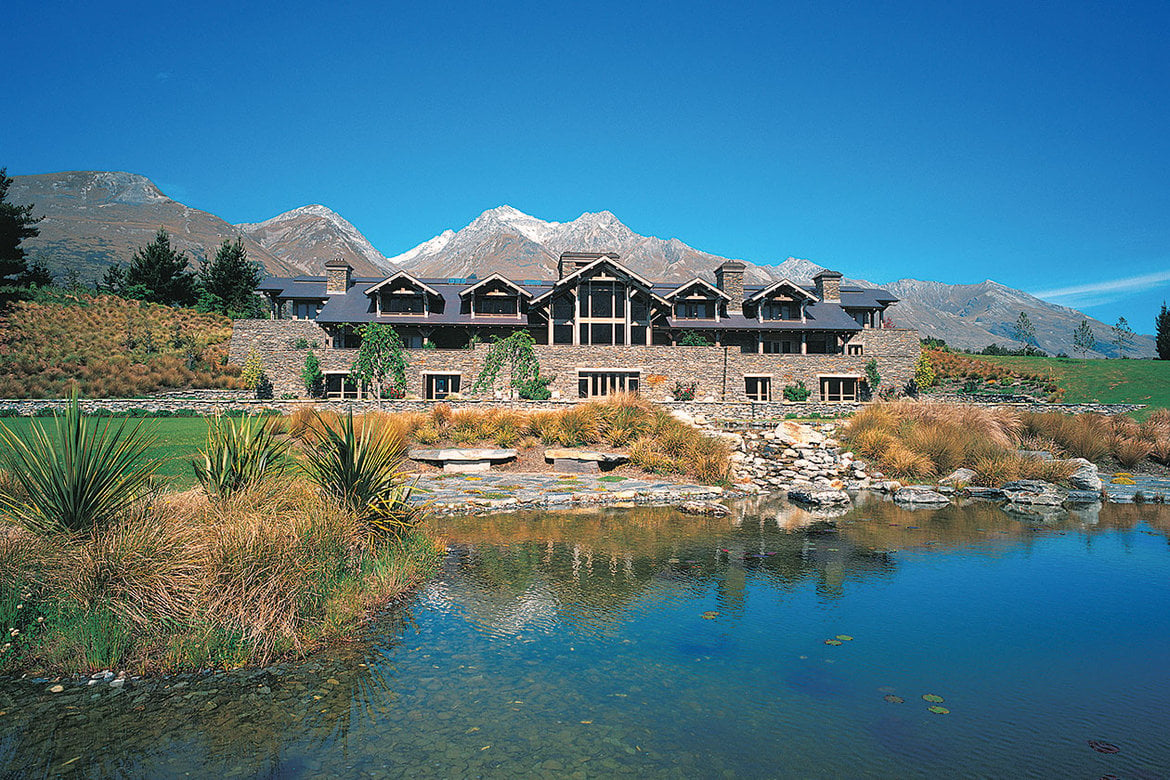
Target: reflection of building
{"points": [[599, 327]]}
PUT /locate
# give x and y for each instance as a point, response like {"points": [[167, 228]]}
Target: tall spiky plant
{"points": [[70, 475], [362, 470], [239, 454]]}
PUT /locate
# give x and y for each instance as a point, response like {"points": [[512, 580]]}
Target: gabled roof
{"points": [[764, 293], [402, 275], [498, 278], [685, 285], [573, 277]]}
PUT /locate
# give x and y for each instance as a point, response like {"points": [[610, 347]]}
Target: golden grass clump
{"points": [[1129, 452]]}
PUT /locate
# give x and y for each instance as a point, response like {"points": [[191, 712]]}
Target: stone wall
{"points": [[717, 371]]}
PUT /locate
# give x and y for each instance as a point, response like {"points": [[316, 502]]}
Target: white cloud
{"points": [[1096, 293]]}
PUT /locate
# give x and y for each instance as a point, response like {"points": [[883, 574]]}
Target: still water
{"points": [[649, 643]]}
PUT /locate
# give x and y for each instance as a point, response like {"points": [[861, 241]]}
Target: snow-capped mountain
{"points": [[506, 240], [309, 236]]}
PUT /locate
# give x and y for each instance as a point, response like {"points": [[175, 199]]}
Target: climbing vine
{"points": [[516, 353], [381, 360]]}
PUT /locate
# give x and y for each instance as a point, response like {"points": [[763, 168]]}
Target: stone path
{"points": [[1152, 488], [453, 493]]}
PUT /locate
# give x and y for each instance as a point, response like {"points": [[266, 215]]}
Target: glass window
{"points": [[855, 349], [595, 384], [305, 310], [496, 305], [695, 310], [780, 310], [562, 334], [601, 334], [562, 308], [439, 386], [402, 303], [838, 389], [758, 388]]}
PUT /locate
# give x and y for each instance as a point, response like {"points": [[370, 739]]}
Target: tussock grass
{"points": [[278, 569], [110, 347]]}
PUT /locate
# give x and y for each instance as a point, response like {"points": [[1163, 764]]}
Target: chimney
{"points": [[574, 261], [729, 279], [337, 276], [828, 286]]}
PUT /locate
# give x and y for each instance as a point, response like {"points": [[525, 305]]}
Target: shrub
{"points": [[684, 391], [1130, 452], [264, 389], [579, 425], [73, 475], [238, 455], [301, 343], [690, 338], [312, 377], [253, 370], [924, 375], [796, 392]]}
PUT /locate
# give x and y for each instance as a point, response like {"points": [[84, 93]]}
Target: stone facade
{"points": [[718, 372]]}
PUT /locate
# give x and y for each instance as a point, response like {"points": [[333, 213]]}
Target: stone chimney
{"points": [[729, 279], [338, 275], [828, 286], [574, 261]]}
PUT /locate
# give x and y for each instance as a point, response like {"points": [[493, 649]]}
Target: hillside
{"points": [[310, 236], [111, 347], [94, 219]]}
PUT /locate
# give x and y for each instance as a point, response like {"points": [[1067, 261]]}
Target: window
{"points": [[822, 345], [781, 346], [439, 386], [305, 310], [340, 386], [562, 308], [594, 384], [780, 310], [758, 388], [347, 338], [402, 303], [695, 310], [854, 349], [835, 388], [562, 334], [602, 300], [497, 305]]}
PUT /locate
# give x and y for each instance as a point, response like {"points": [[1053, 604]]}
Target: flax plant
{"points": [[73, 476], [238, 455]]}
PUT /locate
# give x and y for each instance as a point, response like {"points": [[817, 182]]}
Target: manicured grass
{"points": [[177, 440], [1104, 381]]}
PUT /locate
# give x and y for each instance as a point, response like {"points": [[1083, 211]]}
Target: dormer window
{"points": [[780, 310], [403, 301], [497, 303], [695, 309]]}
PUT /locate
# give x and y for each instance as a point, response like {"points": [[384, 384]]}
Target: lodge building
{"points": [[599, 327]]}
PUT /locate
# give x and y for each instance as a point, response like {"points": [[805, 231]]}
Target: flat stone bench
{"points": [[463, 461], [582, 461]]}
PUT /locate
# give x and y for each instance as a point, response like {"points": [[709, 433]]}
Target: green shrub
{"points": [[796, 392], [684, 391]]}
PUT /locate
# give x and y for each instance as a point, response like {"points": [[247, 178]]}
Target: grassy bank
{"points": [[109, 347], [922, 441], [278, 553]]}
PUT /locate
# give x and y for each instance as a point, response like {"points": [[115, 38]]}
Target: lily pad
{"points": [[845, 637], [892, 699], [933, 698], [1103, 747], [832, 641], [710, 614], [937, 710]]}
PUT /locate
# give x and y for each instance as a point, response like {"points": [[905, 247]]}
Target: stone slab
{"points": [[467, 466], [575, 466], [555, 454], [454, 454]]}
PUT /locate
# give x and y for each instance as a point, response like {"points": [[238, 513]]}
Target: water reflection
{"points": [[663, 644]]}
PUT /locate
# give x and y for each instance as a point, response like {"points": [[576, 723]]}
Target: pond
{"points": [[650, 643]]}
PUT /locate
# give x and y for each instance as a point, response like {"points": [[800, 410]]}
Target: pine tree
{"points": [[16, 224], [1162, 333], [159, 274], [1083, 339], [1122, 336], [228, 283]]}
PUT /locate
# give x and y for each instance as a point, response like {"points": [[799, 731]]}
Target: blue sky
{"points": [[1022, 142]]}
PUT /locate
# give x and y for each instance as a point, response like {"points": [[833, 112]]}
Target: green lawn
{"points": [[1106, 381], [176, 441]]}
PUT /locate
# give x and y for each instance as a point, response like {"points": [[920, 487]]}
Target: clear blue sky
{"points": [[1023, 142]]}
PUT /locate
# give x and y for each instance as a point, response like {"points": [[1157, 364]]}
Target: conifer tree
{"points": [[1162, 333], [158, 273], [16, 224], [228, 283], [1122, 336]]}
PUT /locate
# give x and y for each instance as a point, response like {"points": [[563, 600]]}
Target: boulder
{"points": [[816, 496], [1032, 492], [1086, 477], [1083, 497], [709, 508], [958, 478], [919, 494], [798, 434]]}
